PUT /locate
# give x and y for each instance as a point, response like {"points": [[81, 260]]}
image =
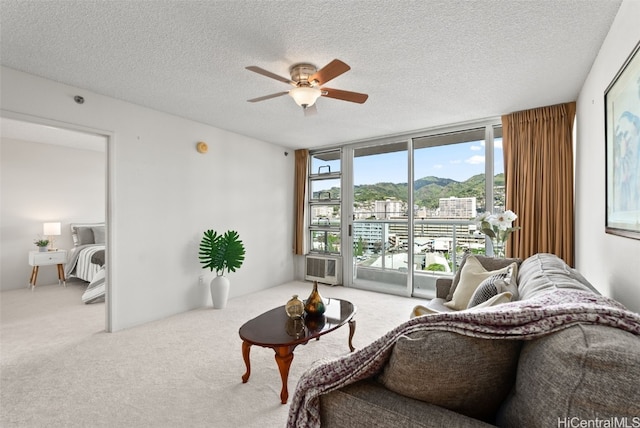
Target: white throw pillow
{"points": [[471, 275]]}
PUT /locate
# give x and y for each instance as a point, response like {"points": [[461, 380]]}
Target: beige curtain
{"points": [[538, 155], [300, 185]]}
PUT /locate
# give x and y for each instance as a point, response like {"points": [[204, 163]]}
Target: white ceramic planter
{"points": [[219, 291]]}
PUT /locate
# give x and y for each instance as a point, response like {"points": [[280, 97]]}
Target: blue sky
{"points": [[455, 161]]}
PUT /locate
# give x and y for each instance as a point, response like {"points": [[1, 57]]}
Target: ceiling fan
{"points": [[307, 81]]}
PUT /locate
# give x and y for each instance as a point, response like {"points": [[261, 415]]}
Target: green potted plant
{"points": [[41, 244], [219, 253]]}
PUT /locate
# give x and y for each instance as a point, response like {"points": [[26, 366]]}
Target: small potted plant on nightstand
{"points": [[41, 244], [220, 252]]}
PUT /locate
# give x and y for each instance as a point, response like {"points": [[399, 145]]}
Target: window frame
{"points": [[331, 228]]}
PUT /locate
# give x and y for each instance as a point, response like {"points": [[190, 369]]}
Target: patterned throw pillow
{"points": [[494, 285], [488, 288], [504, 297]]}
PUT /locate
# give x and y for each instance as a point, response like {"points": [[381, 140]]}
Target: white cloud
{"points": [[475, 160], [438, 166], [455, 161], [476, 148]]}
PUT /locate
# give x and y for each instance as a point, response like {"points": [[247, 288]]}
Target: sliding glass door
{"points": [[379, 217], [450, 188]]}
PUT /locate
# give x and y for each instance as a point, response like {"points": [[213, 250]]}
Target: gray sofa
{"points": [[577, 375]]}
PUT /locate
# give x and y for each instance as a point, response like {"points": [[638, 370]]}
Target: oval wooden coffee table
{"points": [[274, 329]]}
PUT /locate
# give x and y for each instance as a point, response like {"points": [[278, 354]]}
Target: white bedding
{"points": [[79, 263], [95, 292]]}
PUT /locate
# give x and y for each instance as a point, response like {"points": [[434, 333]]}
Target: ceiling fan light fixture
{"points": [[305, 96]]}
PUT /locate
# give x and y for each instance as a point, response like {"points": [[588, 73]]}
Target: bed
{"points": [[86, 261], [83, 261]]}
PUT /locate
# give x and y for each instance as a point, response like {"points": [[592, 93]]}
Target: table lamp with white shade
{"points": [[51, 230]]}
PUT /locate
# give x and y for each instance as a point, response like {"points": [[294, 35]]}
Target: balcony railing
{"points": [[381, 249]]}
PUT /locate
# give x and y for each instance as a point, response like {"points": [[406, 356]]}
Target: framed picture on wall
{"points": [[622, 136]]}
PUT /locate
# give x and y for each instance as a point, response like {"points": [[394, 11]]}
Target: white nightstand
{"points": [[47, 258]]}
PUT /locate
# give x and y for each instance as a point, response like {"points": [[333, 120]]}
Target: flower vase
{"points": [[498, 249], [219, 291], [294, 307], [314, 305]]}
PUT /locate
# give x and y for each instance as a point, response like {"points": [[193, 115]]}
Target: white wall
{"points": [[610, 262], [42, 183], [164, 194]]}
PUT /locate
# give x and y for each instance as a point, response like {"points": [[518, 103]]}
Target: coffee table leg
{"points": [[246, 347], [352, 331], [284, 356]]}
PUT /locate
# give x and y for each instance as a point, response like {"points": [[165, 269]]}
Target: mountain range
{"points": [[427, 190]]}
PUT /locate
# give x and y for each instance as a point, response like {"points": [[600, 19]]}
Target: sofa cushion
{"points": [[545, 272], [367, 403], [443, 285], [465, 374], [489, 263], [471, 276], [584, 372]]}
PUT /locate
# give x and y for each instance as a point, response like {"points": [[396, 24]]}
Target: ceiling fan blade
{"points": [[311, 110], [330, 71], [338, 94], [267, 97], [270, 74]]}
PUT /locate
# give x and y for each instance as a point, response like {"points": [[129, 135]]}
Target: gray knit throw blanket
{"points": [[520, 320]]}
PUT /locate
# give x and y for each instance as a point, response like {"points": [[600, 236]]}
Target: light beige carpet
{"points": [[60, 369]]}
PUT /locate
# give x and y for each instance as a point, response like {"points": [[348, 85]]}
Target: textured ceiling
{"points": [[423, 63]]}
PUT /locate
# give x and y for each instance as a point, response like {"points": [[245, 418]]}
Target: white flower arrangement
{"points": [[497, 227]]}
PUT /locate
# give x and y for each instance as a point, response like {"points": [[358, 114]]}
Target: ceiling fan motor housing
{"points": [[300, 73]]}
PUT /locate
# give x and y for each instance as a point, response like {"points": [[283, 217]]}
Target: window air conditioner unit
{"points": [[324, 269]]}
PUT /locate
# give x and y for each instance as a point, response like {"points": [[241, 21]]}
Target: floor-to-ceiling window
{"points": [[379, 217], [456, 176], [396, 237]]}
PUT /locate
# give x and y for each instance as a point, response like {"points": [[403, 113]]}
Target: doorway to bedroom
{"points": [[54, 173]]}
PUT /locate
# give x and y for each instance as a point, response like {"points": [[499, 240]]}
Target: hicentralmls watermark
{"points": [[613, 422]]}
